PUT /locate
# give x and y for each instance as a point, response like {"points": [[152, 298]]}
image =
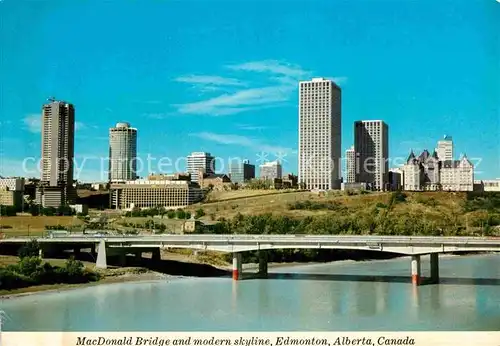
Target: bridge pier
{"points": [[434, 268], [156, 255], [415, 270], [123, 259], [101, 261], [263, 264], [237, 266]]}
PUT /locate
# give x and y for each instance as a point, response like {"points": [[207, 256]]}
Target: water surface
{"points": [[340, 296]]}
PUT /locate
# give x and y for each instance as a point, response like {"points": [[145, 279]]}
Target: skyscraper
{"points": [[319, 134], [350, 155], [122, 153], [371, 144], [200, 162], [58, 137], [241, 171], [445, 149]]}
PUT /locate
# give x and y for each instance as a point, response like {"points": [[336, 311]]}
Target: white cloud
{"points": [[273, 67], [251, 127], [155, 115], [79, 126], [209, 80], [33, 122], [240, 101], [284, 78], [340, 81], [25, 167], [230, 139]]}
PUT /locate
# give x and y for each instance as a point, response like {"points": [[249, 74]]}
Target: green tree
{"points": [[30, 249], [181, 214], [199, 213], [29, 265], [73, 267]]}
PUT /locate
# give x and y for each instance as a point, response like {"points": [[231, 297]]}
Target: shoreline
{"points": [[128, 277], [57, 288], [139, 274]]}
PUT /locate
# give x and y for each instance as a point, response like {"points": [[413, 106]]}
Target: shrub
{"points": [[199, 213], [30, 249]]}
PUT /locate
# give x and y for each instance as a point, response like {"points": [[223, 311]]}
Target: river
{"points": [[340, 296]]}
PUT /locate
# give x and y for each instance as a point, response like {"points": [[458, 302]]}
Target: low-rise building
{"points": [[173, 176], [271, 170], [290, 181], [80, 208], [12, 184], [54, 196], [457, 175], [191, 226], [218, 182], [396, 179], [99, 186], [154, 193], [11, 198], [491, 185], [354, 186], [427, 173]]}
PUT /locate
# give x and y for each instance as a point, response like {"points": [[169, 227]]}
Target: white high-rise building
{"points": [[57, 161], [371, 144], [350, 170], [445, 149], [122, 153], [319, 134], [58, 137], [200, 162]]}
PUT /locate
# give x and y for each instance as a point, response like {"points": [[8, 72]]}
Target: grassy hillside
{"points": [[412, 212], [433, 204], [34, 225]]}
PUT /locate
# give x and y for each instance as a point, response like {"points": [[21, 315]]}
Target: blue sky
{"points": [[222, 76]]}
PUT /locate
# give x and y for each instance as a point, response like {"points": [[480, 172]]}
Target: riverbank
{"points": [[109, 276]]}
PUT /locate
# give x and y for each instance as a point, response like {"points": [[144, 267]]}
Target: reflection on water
{"points": [[338, 296]]}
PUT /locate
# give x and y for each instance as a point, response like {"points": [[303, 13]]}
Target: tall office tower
{"points": [[58, 136], [319, 134], [200, 162], [241, 171], [445, 149], [350, 171], [271, 170], [371, 144], [122, 153]]}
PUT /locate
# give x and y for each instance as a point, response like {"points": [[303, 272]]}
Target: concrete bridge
{"points": [[106, 246]]}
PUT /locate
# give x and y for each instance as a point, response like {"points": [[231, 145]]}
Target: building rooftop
{"points": [[272, 163], [199, 153]]}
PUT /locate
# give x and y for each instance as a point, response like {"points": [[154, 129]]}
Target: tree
{"points": [[180, 214], [30, 249], [29, 265], [73, 267], [199, 213], [34, 210]]}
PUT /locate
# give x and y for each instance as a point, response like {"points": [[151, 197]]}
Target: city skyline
{"points": [[244, 102]]}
